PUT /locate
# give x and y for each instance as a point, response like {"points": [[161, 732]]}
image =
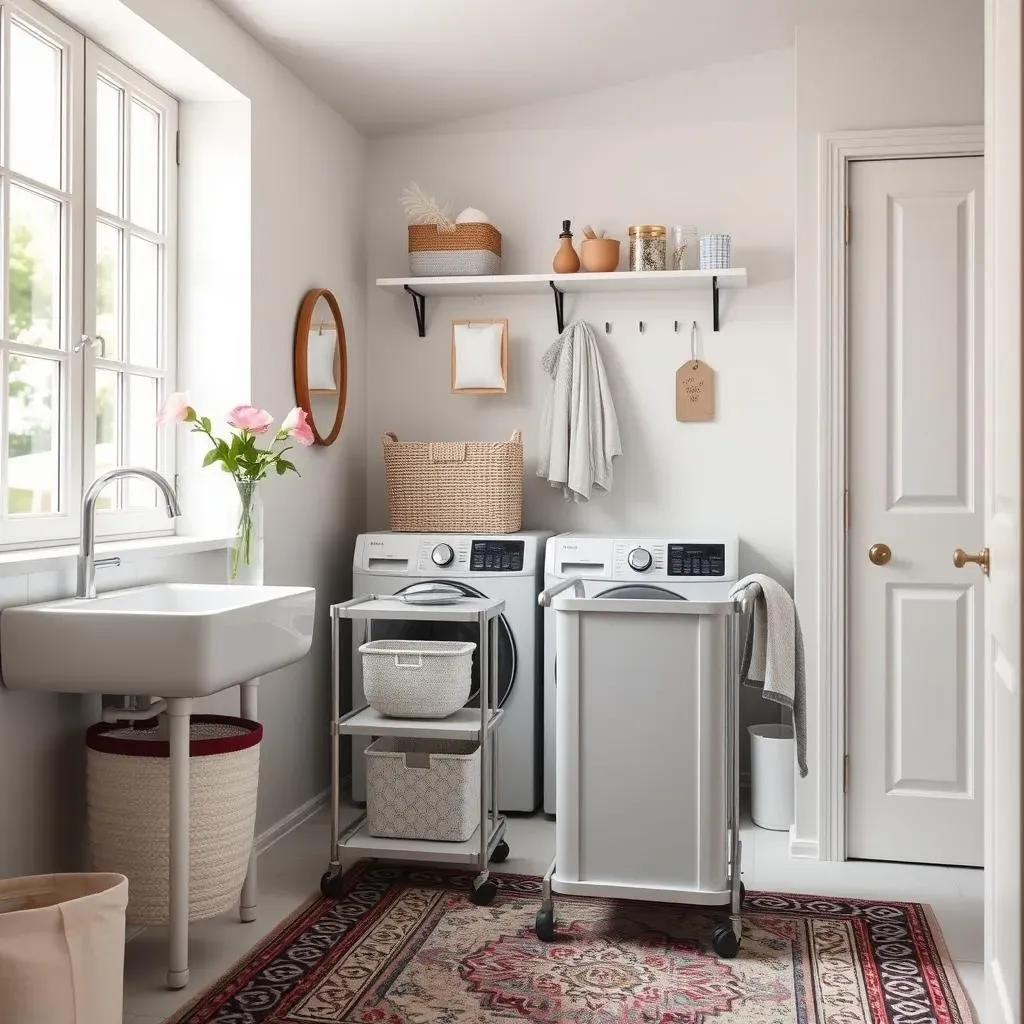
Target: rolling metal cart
{"points": [[647, 794], [488, 843]]}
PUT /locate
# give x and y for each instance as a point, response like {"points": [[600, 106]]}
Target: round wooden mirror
{"points": [[321, 364]]}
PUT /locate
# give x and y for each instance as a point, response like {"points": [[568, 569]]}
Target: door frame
{"points": [[837, 151]]}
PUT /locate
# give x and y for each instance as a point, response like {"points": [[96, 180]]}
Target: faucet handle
{"points": [[107, 563]]}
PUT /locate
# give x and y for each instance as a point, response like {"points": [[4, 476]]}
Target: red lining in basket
{"points": [[102, 737]]}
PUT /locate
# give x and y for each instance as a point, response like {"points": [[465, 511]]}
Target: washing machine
{"points": [[644, 568], [507, 566]]}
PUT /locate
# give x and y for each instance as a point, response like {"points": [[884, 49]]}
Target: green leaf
{"points": [[207, 424], [281, 468], [212, 456]]}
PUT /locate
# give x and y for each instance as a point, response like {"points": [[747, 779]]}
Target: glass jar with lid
{"points": [[685, 247], [647, 247]]}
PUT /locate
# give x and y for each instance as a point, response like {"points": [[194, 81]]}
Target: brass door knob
{"points": [[961, 558], [880, 554]]}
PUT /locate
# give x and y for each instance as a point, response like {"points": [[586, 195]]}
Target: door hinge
{"points": [[846, 511], [177, 148], [846, 225], [846, 773]]}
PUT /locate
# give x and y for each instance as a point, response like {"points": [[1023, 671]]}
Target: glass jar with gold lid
{"points": [[647, 246]]}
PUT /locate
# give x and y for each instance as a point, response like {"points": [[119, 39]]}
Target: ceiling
{"points": [[398, 65]]}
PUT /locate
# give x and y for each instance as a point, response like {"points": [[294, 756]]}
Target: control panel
{"points": [[497, 556], [696, 560]]}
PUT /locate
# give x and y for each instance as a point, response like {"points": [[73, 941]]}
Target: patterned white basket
{"points": [[422, 789], [417, 678], [128, 799], [715, 252]]}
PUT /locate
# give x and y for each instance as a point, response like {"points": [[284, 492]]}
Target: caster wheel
{"points": [[483, 894], [500, 854], [545, 925], [330, 884], [725, 943]]}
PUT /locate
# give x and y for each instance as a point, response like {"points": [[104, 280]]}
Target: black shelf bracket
{"points": [[714, 300], [419, 301], [559, 306]]}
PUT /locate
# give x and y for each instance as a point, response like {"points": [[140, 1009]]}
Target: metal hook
{"points": [[641, 327], [676, 327], [607, 327], [693, 343]]}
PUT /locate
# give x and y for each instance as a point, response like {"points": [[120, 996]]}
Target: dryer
{"points": [[506, 566], [644, 568]]}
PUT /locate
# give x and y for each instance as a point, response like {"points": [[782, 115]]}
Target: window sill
{"points": [[30, 560]]}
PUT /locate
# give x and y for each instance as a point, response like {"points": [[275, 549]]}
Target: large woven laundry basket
{"points": [[128, 799], [461, 487]]}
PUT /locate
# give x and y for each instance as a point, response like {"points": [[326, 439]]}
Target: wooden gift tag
{"points": [[695, 392]]}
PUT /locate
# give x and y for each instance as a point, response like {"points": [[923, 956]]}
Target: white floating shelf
{"points": [[561, 284], [463, 725]]}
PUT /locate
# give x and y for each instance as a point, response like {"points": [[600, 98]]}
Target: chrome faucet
{"points": [[86, 553]]}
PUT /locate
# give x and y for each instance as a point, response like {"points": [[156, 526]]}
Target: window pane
{"points": [[145, 166], [35, 106], [108, 147], [34, 269], [33, 435], [108, 288], [142, 438], [143, 303], [108, 415]]}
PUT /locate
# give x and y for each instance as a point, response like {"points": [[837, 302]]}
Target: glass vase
{"points": [[245, 556]]}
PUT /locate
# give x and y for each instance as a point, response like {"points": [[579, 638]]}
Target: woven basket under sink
{"points": [[128, 799]]}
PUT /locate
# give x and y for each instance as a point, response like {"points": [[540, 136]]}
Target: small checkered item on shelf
{"points": [[715, 252]]}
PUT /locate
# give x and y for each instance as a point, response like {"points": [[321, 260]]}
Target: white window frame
{"points": [[81, 62], [151, 521], [63, 524]]}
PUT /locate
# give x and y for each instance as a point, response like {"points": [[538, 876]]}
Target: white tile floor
{"points": [[290, 874]]}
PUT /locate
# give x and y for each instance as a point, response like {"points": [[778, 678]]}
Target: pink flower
{"points": [[248, 417], [296, 425], [175, 410]]}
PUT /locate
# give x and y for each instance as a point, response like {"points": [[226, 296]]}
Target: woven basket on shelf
{"points": [[128, 799], [471, 249], [462, 487]]}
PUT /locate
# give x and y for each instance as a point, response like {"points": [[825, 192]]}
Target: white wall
{"points": [[713, 148], [869, 64], [307, 193]]}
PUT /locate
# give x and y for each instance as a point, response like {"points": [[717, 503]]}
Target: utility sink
{"points": [[166, 640]]}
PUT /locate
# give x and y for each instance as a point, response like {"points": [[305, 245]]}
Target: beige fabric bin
{"points": [[62, 949]]}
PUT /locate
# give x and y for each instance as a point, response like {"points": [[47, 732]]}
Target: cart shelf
{"points": [[434, 851], [463, 725]]}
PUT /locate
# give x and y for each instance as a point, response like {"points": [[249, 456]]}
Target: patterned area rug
{"points": [[405, 946]]}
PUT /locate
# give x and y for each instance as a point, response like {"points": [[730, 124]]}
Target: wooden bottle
{"points": [[566, 261]]}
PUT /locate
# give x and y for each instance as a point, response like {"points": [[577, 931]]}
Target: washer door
{"points": [[641, 592], [403, 629]]}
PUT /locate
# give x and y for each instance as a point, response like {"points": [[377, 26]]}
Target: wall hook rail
{"points": [[419, 301]]}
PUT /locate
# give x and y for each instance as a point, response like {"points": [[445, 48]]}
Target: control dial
{"points": [[640, 559], [442, 555]]}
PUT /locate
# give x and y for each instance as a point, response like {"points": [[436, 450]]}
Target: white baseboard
{"points": [[266, 839], [806, 848]]}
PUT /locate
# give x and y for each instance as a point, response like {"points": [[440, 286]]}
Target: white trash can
{"points": [[62, 949], [771, 776]]}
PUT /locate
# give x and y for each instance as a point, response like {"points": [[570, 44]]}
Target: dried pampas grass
{"points": [[423, 209]]}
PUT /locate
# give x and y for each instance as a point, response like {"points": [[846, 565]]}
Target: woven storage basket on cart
{"points": [[471, 249], [128, 799], [461, 487]]}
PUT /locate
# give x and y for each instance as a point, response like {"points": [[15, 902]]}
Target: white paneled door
{"points": [[916, 493]]}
